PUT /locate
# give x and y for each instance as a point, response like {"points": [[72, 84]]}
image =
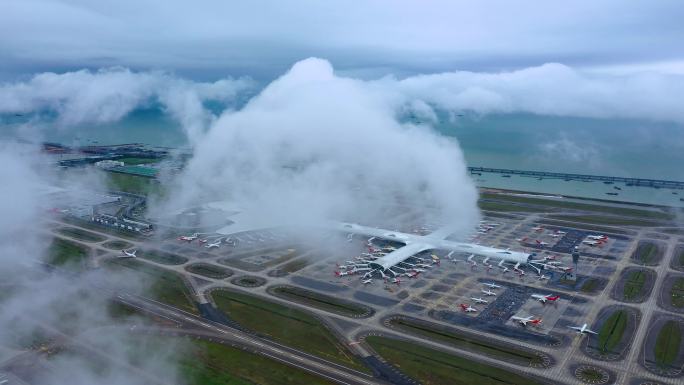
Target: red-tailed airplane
{"points": [[525, 320], [543, 298], [467, 308], [542, 243], [187, 238]]}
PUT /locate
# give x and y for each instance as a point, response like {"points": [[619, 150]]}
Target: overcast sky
{"points": [[209, 39]]}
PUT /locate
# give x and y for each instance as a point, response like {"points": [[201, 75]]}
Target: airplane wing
{"points": [[576, 328], [590, 331]]}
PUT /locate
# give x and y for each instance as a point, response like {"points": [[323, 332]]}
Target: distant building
{"points": [[106, 164]]}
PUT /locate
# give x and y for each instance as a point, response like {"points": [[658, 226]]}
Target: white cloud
{"points": [[110, 94], [315, 146]]}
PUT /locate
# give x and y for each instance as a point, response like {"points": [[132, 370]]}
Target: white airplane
{"points": [[538, 228], [522, 240], [543, 298], [479, 300], [396, 280], [491, 285], [582, 329], [542, 243], [367, 281], [591, 243], [488, 292], [128, 254], [543, 277], [213, 244], [554, 263], [525, 320], [598, 237], [467, 308], [341, 273]]}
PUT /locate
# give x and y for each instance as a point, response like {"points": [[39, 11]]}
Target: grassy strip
{"points": [[470, 342], [117, 245], [162, 257], [67, 254], [320, 301], [634, 284], [434, 367], [287, 325], [668, 344], [133, 184], [208, 270], [506, 207], [677, 293], [589, 285], [612, 331], [81, 235], [603, 220], [165, 286], [645, 252], [210, 363], [580, 206]]}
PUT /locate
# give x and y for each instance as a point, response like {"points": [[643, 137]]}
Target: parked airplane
{"points": [[367, 281], [488, 292], [543, 298], [525, 320], [467, 308], [542, 243], [188, 238], [522, 240], [128, 254], [342, 273], [396, 280], [542, 277], [213, 244], [491, 285], [582, 329], [538, 228], [479, 300], [598, 237]]}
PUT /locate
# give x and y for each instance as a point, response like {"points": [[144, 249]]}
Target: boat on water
{"points": [[505, 176], [607, 182], [617, 188], [611, 193]]}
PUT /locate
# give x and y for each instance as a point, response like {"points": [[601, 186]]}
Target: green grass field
{"points": [[471, 343], [634, 284], [596, 208], [668, 344], [164, 286], [612, 331], [133, 184], [81, 235], [433, 367], [680, 257], [646, 252], [677, 293], [209, 363], [321, 301], [117, 245], [506, 207], [286, 325], [209, 270], [162, 257], [589, 285], [66, 254]]}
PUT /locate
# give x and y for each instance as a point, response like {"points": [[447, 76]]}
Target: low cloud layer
{"points": [[314, 146], [107, 95], [551, 89]]}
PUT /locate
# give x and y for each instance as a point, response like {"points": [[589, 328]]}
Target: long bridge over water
{"points": [[657, 183]]}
